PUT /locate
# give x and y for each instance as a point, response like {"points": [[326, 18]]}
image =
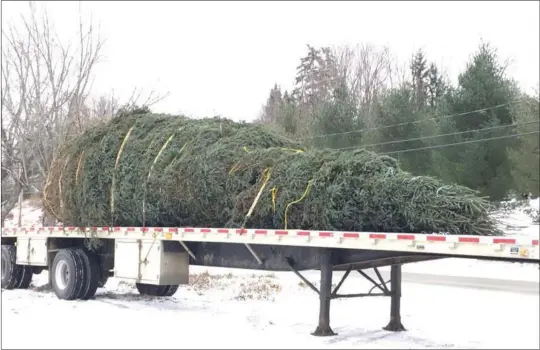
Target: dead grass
{"points": [[253, 287], [262, 288], [202, 282]]}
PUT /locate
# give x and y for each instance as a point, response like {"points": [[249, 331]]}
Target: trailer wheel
{"points": [[171, 290], [27, 272], [11, 272], [90, 275], [156, 291], [67, 274], [103, 281]]}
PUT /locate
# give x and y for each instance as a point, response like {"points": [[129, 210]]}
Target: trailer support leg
{"points": [[395, 324], [325, 295]]}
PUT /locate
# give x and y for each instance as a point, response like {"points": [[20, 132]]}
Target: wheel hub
{"points": [[62, 275]]}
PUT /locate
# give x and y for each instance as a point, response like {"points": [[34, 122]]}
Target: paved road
{"points": [[502, 285]]}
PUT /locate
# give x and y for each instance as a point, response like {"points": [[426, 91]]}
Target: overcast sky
{"points": [[223, 57]]}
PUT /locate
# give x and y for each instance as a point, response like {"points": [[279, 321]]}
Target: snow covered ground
{"points": [[226, 308]]}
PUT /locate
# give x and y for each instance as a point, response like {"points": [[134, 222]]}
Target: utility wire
{"points": [[461, 143], [439, 135], [413, 122]]}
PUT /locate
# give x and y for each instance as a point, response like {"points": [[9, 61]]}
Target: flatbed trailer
{"points": [[157, 259]]}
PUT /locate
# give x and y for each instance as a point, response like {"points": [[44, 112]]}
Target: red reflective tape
{"points": [[436, 238], [158, 229], [377, 236], [468, 240], [406, 237], [93, 228], [302, 233], [173, 229], [241, 231], [504, 241], [116, 229], [189, 230], [131, 229], [31, 229], [261, 232], [535, 242], [105, 228], [223, 230], [351, 235], [206, 230], [325, 234], [61, 228], [50, 228], [71, 228]]}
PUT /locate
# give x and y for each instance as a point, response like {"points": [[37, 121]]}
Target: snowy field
{"points": [[226, 308]]}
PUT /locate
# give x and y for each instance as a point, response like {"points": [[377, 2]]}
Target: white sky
{"points": [[223, 57]]}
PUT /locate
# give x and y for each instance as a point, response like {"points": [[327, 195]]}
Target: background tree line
{"points": [[481, 132]]}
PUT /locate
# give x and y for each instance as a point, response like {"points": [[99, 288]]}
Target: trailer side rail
{"points": [[504, 247]]}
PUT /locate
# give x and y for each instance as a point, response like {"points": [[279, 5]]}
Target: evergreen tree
{"points": [[484, 166], [398, 106], [525, 158], [336, 119]]}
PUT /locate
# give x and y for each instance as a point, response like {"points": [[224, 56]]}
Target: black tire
{"points": [[90, 275], [11, 272], [103, 281], [156, 291], [173, 288], [27, 272], [103, 278], [143, 289], [38, 270], [71, 278]]}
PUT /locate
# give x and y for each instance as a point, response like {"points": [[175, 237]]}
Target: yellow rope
{"points": [[267, 173], [45, 191], [113, 182], [158, 155], [60, 184], [298, 200], [176, 157], [293, 150], [234, 168], [150, 173], [122, 146], [274, 196], [79, 163]]}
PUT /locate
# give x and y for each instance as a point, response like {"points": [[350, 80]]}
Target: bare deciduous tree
{"points": [[45, 87], [367, 70]]}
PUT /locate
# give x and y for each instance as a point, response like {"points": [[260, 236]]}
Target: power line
{"points": [[440, 135], [413, 122], [461, 143]]}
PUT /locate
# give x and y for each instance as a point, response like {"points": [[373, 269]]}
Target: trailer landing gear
{"points": [[395, 324], [326, 294]]}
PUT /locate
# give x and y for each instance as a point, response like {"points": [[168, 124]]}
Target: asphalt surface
{"points": [[502, 285]]}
